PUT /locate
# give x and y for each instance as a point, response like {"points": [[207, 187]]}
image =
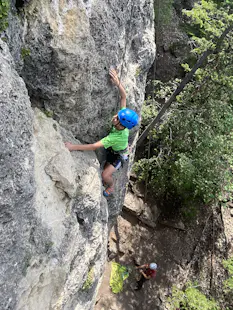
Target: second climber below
{"points": [[116, 142]]}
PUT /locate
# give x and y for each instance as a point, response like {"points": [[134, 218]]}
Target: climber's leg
{"points": [[106, 164], [107, 174], [105, 167], [108, 178], [113, 163]]}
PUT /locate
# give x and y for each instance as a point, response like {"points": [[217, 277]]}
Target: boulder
{"points": [[145, 213]]}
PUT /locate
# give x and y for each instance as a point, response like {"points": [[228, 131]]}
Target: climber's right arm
{"points": [[83, 147]]}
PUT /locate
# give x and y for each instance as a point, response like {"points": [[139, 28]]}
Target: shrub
{"points": [[25, 52], [228, 284], [190, 299], [90, 278], [191, 151], [4, 8]]}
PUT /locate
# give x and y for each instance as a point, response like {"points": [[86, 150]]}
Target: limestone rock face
{"points": [[173, 44], [72, 46], [70, 205], [17, 185], [53, 218]]}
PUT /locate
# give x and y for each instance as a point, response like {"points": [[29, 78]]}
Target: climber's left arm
{"points": [[115, 80]]}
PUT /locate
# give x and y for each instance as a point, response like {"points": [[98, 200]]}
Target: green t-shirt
{"points": [[117, 139]]}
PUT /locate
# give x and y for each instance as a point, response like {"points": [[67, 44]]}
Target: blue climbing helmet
{"points": [[128, 118], [153, 266]]}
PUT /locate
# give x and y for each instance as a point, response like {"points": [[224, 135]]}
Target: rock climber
{"points": [[116, 143], [147, 271]]}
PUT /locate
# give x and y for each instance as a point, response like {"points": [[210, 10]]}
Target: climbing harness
{"points": [[123, 155]]}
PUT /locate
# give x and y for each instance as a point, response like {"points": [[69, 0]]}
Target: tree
{"points": [[191, 151], [216, 24], [191, 298]]}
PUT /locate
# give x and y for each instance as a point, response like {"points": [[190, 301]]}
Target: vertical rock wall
{"points": [[72, 45], [172, 42], [68, 202], [16, 177], [53, 218]]}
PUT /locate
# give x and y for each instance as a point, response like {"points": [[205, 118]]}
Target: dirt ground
{"points": [[181, 254], [129, 232]]}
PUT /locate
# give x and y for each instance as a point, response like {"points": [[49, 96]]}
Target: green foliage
{"points": [[228, 284], [210, 20], [4, 8], [138, 72], [163, 12], [48, 113], [26, 263], [224, 3], [149, 110], [191, 153], [90, 278], [25, 52], [190, 299], [191, 149]]}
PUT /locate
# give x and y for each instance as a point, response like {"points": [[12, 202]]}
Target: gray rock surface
{"points": [[17, 185], [72, 47], [69, 204], [172, 42], [227, 216], [14, 36], [54, 220], [137, 207]]}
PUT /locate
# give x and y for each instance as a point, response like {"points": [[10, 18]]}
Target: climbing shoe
{"points": [[108, 191]]}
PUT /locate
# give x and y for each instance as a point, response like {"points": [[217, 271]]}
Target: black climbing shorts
{"points": [[113, 159]]}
